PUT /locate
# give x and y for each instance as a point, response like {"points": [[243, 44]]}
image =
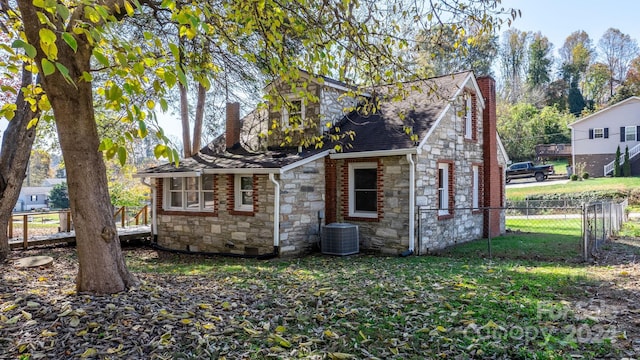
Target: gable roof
{"points": [[420, 110], [421, 105], [597, 113]]}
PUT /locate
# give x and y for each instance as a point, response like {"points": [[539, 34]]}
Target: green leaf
{"points": [[122, 155], [163, 105], [70, 40], [142, 129], [64, 71], [63, 11], [29, 49], [47, 67], [101, 58]]}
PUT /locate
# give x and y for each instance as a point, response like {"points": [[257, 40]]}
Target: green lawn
{"points": [[536, 239], [629, 185]]}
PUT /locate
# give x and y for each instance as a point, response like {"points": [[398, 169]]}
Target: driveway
{"points": [[520, 183]]}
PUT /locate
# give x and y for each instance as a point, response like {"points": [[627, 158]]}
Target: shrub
{"points": [[574, 177], [585, 176]]}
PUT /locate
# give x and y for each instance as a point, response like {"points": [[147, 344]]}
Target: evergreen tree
{"points": [[576, 101], [540, 60], [627, 164], [59, 197], [616, 163]]}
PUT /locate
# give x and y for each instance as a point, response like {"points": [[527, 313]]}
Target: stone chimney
{"points": [[492, 179], [232, 135]]}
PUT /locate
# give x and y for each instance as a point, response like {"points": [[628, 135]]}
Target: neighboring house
{"points": [[596, 137], [414, 175], [33, 198]]}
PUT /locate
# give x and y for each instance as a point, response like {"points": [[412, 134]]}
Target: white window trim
{"points": [[166, 204], [630, 130], [352, 199], [601, 133], [475, 195], [237, 204], [285, 113], [443, 208], [468, 120]]}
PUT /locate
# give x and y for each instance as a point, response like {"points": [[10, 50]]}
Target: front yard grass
{"points": [[536, 239]]}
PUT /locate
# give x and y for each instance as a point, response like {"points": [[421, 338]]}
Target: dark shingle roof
{"points": [[418, 108], [421, 104], [210, 158]]}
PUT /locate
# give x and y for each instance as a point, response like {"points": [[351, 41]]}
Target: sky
{"points": [[555, 19]]}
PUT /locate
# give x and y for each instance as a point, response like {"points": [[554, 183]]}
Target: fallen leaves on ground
{"points": [[359, 307]]}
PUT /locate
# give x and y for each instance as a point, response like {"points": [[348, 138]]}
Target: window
{"points": [[293, 113], [363, 189], [445, 187], [191, 193], [599, 133], [630, 133], [468, 120], [475, 196], [243, 193], [34, 198]]}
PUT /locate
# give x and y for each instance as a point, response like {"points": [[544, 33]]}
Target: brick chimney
{"points": [[232, 135], [491, 177]]}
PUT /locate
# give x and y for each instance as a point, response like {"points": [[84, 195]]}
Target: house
{"points": [[595, 138], [33, 198], [416, 175]]}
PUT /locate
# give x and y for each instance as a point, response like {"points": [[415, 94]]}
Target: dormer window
{"points": [[293, 114]]}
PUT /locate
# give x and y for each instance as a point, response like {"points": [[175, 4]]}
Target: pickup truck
{"points": [[528, 169]]}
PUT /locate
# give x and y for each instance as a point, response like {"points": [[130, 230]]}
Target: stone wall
{"points": [[447, 144], [224, 233], [389, 232], [229, 231], [333, 106], [302, 196]]}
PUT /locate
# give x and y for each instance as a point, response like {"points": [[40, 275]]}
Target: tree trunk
{"points": [[184, 118], [14, 158], [102, 269], [197, 125]]}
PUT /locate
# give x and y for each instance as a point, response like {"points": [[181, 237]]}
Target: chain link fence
{"points": [[570, 230]]}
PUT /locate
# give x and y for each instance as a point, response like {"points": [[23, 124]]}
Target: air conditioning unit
{"points": [[340, 239]]}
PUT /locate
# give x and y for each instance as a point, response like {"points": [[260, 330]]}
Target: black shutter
{"points": [[590, 133], [621, 133], [637, 133], [606, 133]]}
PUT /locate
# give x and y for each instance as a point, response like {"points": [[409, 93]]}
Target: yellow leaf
{"points": [[208, 326], [251, 331], [362, 335], [46, 333], [280, 329], [341, 356], [394, 351], [89, 352], [26, 315], [186, 321], [282, 341], [115, 350], [441, 328], [492, 325], [226, 305]]}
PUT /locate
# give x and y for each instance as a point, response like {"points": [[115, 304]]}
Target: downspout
{"points": [[412, 204], [276, 214], [153, 207]]}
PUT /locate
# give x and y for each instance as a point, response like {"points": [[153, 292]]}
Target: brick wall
{"points": [[493, 186]]}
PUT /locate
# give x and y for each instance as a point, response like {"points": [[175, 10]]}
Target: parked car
{"points": [[527, 169]]}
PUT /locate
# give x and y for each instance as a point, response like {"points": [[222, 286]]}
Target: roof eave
{"points": [[374, 153]]}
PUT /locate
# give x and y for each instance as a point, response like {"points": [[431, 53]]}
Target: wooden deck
{"points": [[126, 234]]}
